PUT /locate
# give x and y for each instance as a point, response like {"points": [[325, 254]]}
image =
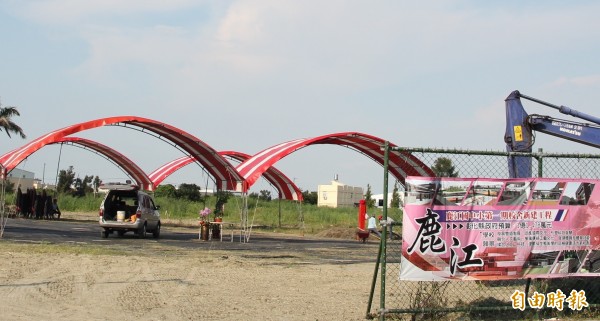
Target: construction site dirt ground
{"points": [[159, 281]]}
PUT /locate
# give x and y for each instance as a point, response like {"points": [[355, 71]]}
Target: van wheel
{"points": [[104, 234], [156, 232], [142, 232]]}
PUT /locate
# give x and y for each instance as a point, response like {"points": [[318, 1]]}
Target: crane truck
{"points": [[521, 127]]}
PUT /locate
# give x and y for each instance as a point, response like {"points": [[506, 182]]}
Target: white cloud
{"points": [[403, 64], [242, 24], [581, 81], [156, 48], [335, 44]]}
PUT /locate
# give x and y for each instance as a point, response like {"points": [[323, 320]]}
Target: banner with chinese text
{"points": [[482, 229]]}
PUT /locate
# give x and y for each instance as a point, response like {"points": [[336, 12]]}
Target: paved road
{"points": [[261, 245]]}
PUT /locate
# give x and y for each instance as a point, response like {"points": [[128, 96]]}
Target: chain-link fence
{"points": [[392, 298]]}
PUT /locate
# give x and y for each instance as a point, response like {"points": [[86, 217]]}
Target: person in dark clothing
{"points": [[26, 205], [48, 212], [29, 203], [39, 207], [55, 210], [43, 206], [34, 208], [19, 200]]}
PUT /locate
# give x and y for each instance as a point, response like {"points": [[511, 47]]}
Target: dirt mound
{"points": [[338, 233]]}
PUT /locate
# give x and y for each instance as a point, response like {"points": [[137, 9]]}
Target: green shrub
{"points": [[87, 203], [261, 213]]}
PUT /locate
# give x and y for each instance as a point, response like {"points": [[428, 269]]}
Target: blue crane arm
{"points": [[564, 109], [518, 136], [587, 134], [520, 126]]}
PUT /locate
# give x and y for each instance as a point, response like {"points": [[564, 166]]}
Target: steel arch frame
{"points": [[401, 164], [225, 175], [280, 181]]}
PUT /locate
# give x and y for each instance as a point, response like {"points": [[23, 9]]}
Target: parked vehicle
{"points": [[126, 208]]}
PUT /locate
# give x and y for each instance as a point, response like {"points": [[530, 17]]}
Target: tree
{"points": [[6, 124], [443, 167], [166, 190], [395, 203], [222, 198], [87, 184], [265, 195], [310, 197], [79, 187], [9, 187], [97, 183], [369, 201], [83, 186], [65, 180], [189, 191]]}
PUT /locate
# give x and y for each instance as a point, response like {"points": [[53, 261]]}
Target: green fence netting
{"points": [[395, 299]]}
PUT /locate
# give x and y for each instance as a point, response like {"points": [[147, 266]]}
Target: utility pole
{"points": [[279, 197]]}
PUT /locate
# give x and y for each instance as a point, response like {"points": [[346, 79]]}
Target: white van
{"points": [[126, 208]]}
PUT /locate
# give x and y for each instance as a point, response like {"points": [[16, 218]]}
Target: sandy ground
{"points": [[192, 286], [179, 285]]}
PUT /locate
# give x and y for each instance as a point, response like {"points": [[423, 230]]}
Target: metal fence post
{"points": [[540, 159], [487, 298], [386, 155]]}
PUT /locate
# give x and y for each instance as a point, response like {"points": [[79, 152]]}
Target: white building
{"points": [[378, 198], [37, 184], [20, 177], [338, 195]]}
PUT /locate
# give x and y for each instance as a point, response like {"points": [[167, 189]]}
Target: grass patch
{"points": [[278, 216]]}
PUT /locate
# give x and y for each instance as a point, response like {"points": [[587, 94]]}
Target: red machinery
{"points": [[361, 233]]}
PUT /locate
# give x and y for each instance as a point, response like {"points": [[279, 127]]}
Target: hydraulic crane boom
{"points": [[520, 126]]}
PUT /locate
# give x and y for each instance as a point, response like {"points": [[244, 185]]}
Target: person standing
{"points": [[40, 205], [372, 226], [387, 224], [48, 207]]}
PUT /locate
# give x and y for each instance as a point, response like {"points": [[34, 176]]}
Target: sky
{"points": [[247, 75]]}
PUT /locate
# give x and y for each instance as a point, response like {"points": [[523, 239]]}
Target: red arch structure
{"points": [[401, 164], [284, 185], [127, 165], [161, 173], [225, 175]]}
